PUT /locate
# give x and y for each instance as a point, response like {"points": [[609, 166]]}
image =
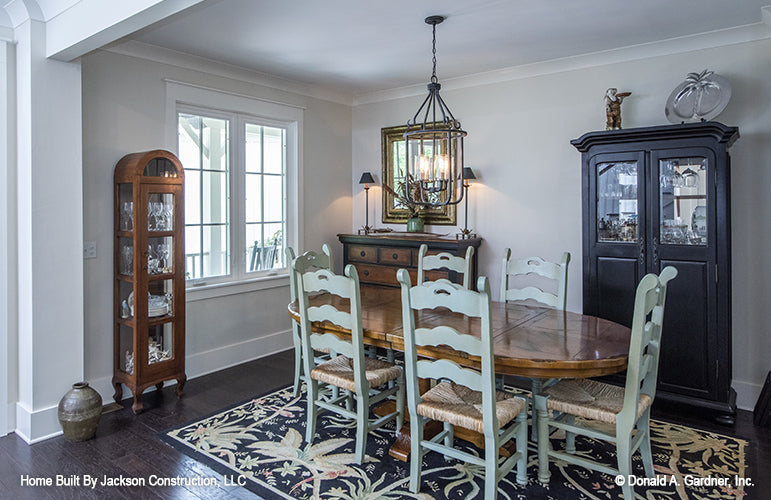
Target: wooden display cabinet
{"points": [[149, 262]]}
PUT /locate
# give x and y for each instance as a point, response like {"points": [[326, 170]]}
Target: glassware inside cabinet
{"points": [[617, 214], [126, 256], [160, 253], [683, 201], [160, 212], [125, 207]]}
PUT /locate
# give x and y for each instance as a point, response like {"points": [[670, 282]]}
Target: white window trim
{"points": [[192, 97]]}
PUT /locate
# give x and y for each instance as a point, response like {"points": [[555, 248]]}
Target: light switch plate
{"points": [[89, 250]]}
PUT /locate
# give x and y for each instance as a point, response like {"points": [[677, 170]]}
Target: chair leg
{"points": [[416, 455], [570, 437], [313, 392], [543, 439], [623, 448], [399, 406], [362, 425], [298, 360], [522, 447], [449, 437], [491, 468], [643, 425]]}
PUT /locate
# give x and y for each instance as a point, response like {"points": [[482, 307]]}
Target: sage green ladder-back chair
{"points": [[350, 370], [626, 410], [523, 268], [321, 260], [463, 396], [445, 260]]}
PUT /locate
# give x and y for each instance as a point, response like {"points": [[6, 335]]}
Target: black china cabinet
{"points": [[654, 197]]}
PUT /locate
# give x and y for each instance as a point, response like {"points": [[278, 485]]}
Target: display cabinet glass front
{"points": [[617, 194]]}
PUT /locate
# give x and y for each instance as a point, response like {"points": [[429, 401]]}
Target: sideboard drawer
{"points": [[381, 275], [362, 253], [394, 256]]}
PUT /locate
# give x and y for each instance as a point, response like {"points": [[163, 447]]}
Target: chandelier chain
{"points": [[434, 79]]}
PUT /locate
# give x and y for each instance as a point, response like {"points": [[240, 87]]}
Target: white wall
{"points": [[123, 112], [528, 196]]}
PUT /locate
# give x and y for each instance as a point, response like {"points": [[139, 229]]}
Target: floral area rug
{"points": [[262, 440]]}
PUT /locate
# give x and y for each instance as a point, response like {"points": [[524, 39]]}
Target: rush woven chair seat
{"points": [[367, 382], [591, 399], [461, 406], [464, 397], [626, 408], [341, 372]]}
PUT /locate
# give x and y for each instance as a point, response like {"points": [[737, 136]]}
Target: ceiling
{"points": [[360, 47]]}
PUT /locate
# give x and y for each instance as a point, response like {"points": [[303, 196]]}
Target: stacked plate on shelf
{"points": [[157, 305]]}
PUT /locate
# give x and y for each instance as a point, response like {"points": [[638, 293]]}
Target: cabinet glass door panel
{"points": [[617, 209], [683, 201]]}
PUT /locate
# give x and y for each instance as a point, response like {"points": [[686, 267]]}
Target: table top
{"points": [[529, 341]]}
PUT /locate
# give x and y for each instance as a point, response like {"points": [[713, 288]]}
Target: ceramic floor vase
{"points": [[79, 412]]}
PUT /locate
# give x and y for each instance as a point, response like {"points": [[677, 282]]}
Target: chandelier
{"points": [[434, 141]]}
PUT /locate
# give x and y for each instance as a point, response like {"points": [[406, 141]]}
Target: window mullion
{"points": [[238, 199]]}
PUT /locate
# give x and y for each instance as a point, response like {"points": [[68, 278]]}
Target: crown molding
{"points": [[712, 39], [163, 55]]}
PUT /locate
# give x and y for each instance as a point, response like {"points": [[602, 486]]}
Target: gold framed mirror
{"points": [[394, 157]]}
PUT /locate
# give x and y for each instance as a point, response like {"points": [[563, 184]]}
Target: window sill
{"points": [[210, 291]]}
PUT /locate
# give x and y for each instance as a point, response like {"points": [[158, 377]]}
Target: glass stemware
{"points": [[127, 260]]}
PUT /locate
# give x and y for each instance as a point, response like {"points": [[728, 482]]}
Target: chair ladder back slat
{"points": [[445, 335], [324, 280], [534, 265], [449, 370], [533, 293], [333, 343], [445, 294], [330, 313]]}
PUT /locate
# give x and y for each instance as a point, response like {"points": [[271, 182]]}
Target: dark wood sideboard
{"points": [[378, 256]]}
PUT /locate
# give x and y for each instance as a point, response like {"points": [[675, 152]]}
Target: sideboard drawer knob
{"points": [[366, 273], [395, 256], [363, 253]]}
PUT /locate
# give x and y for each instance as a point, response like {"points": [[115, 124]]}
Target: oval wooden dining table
{"points": [[529, 341]]}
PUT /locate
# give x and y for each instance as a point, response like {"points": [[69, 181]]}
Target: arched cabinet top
{"points": [[156, 166]]}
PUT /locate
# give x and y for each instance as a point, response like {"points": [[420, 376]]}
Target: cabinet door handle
{"points": [[655, 254], [641, 257]]}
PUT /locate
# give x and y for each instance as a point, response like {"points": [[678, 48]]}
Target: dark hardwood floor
{"points": [[127, 445]]}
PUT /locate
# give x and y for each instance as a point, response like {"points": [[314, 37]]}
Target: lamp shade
{"points": [[468, 173], [366, 178]]}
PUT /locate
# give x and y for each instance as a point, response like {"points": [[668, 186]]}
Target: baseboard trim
{"points": [[747, 394], [39, 425], [203, 363]]}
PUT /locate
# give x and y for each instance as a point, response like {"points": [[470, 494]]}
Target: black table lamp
{"points": [[366, 179], [466, 175]]}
